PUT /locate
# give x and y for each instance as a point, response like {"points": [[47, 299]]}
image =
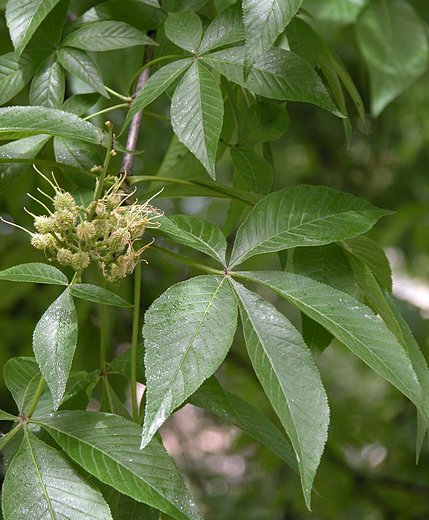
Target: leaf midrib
{"points": [[108, 456], [278, 379], [293, 230]]}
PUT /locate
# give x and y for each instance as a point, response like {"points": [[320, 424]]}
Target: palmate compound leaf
{"points": [[108, 447], [42, 484], [23, 17], [264, 20], [54, 343], [16, 72], [187, 333], [302, 216], [194, 232], [352, 323], [287, 372], [197, 114], [25, 121]]}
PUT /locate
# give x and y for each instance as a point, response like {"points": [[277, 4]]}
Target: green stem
{"points": [[101, 179], [9, 436], [116, 94], [103, 337], [225, 191], [149, 64], [196, 265], [134, 341], [105, 110], [37, 395]]}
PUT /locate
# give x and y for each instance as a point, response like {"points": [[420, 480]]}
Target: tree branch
{"points": [[133, 134]]}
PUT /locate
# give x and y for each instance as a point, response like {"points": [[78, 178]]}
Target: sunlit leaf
{"points": [[354, 324], [34, 273], [197, 114], [194, 232], [302, 216], [23, 17], [17, 122], [108, 447], [48, 85], [285, 367], [187, 333], [54, 343], [41, 483]]}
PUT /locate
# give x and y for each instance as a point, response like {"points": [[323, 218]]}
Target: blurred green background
{"points": [[368, 470]]}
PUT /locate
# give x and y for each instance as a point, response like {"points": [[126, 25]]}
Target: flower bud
{"points": [[85, 231], [43, 224], [80, 261], [65, 256], [41, 241], [63, 219], [64, 201], [118, 240]]}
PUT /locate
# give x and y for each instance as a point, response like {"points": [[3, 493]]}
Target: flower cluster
{"points": [[104, 232]]}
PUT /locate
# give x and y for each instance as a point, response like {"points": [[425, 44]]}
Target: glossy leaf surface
{"points": [[42, 484], [108, 447], [285, 367], [302, 216], [54, 343], [197, 114], [187, 333]]}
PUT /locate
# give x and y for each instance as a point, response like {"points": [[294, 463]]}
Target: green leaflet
{"points": [[302, 216], [194, 232], [94, 293], [48, 85], [81, 65], [253, 169], [106, 36], [75, 153], [108, 447], [229, 407], [185, 30], [34, 272], [54, 343], [15, 73], [156, 85], [353, 324], [280, 74], [17, 122], [26, 148], [264, 20], [23, 17], [225, 29], [187, 333], [287, 372], [393, 42], [197, 114], [41, 483]]}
